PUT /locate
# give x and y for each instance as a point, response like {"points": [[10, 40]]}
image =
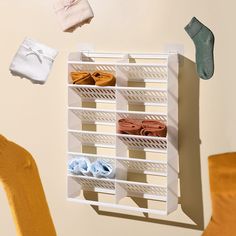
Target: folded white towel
{"points": [[33, 61], [73, 13]]}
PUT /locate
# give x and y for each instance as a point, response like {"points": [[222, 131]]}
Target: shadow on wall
{"points": [[189, 143], [189, 155]]}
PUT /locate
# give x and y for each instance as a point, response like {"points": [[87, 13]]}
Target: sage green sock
{"points": [[203, 39]]}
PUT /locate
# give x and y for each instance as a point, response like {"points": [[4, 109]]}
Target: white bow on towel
{"points": [[38, 53]]}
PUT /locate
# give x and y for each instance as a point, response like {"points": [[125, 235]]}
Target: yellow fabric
{"points": [[222, 171], [103, 78], [82, 78], [20, 179], [98, 78]]}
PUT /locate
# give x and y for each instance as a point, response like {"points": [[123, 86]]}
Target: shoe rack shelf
{"points": [[146, 166], [133, 95]]}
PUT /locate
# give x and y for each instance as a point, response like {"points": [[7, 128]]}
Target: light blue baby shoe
{"points": [[102, 168], [79, 166]]}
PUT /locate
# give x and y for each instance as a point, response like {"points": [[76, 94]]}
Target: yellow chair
{"points": [[21, 181]]}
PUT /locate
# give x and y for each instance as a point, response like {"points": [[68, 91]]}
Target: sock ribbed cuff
{"points": [[193, 27]]}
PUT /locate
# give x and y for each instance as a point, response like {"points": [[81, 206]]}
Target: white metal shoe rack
{"points": [[146, 88]]}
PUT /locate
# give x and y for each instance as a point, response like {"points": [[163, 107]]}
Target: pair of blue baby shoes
{"points": [[99, 168]]}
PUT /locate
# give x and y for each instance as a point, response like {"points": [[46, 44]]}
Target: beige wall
{"points": [[35, 116]]}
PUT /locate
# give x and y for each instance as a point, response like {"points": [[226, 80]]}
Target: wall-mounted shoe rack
{"points": [[146, 167]]}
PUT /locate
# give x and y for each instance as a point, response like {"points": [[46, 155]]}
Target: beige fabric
{"points": [[73, 13]]}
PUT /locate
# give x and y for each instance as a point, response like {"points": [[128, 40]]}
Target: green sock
{"points": [[203, 39]]}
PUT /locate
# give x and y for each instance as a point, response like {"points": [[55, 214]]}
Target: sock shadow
{"points": [[190, 199]]}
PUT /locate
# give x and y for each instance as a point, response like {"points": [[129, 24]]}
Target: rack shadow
{"points": [[189, 143], [189, 155]]}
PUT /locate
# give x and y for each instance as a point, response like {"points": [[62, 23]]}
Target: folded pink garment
{"points": [[153, 128], [129, 126], [142, 127], [73, 13]]}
